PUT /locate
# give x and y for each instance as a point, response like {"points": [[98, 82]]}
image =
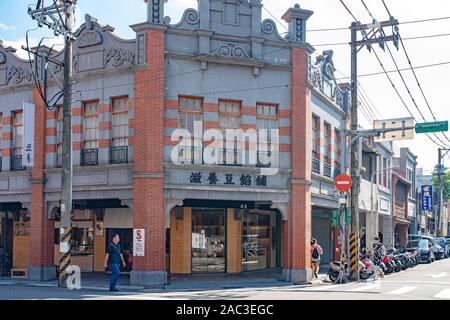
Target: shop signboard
{"points": [[427, 197], [139, 242], [28, 135]]}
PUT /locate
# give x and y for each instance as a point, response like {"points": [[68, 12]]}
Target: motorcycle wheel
{"points": [[364, 275], [398, 267], [333, 276]]}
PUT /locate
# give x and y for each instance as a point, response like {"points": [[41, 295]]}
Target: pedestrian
{"points": [[379, 251], [316, 253], [113, 260]]}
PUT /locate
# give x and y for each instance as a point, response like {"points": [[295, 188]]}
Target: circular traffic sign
{"points": [[343, 182]]}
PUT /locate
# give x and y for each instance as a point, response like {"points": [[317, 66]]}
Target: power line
{"points": [[403, 69], [367, 9], [406, 39], [401, 75], [399, 95], [390, 80], [364, 93], [348, 10], [401, 23], [415, 75]]}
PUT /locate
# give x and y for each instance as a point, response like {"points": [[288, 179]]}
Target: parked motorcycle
{"points": [[388, 265], [396, 260], [335, 268]]}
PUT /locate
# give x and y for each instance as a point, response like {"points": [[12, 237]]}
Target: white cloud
{"points": [[17, 44], [6, 27]]}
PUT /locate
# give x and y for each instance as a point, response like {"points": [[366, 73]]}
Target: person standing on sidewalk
{"points": [[316, 253], [379, 251], [113, 260]]}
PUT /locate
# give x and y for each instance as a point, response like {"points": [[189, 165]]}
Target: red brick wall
{"points": [[299, 223], [41, 252], [149, 213]]}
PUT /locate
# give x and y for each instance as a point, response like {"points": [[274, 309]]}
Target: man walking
{"points": [[113, 259]]}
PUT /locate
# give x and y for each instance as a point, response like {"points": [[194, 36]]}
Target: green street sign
{"points": [[334, 219], [427, 127]]}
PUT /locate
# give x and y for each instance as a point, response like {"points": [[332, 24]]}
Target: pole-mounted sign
{"points": [[427, 127], [427, 198], [343, 182]]}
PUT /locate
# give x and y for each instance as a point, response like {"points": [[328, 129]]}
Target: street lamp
{"points": [[372, 235]]}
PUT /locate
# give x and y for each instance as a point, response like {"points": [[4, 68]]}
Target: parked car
{"points": [[424, 247], [442, 242], [447, 240], [438, 251]]}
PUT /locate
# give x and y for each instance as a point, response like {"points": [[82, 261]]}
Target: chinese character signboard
{"points": [[139, 242], [427, 198], [228, 179], [28, 135]]}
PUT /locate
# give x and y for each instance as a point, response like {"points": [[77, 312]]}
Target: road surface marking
{"points": [[403, 290], [444, 294], [365, 288], [440, 275]]}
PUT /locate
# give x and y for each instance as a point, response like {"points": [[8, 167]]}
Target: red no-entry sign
{"points": [[343, 182]]}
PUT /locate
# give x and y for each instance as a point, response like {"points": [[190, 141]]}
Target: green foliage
{"points": [[446, 190]]}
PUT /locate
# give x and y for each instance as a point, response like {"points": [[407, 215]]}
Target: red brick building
{"points": [[220, 67]]}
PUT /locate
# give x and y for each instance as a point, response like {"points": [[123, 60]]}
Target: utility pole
{"points": [[354, 165], [66, 177], [59, 17], [372, 34]]}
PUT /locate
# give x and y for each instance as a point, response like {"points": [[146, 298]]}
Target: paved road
{"points": [[423, 282]]}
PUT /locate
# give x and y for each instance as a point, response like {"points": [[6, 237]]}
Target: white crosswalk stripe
{"points": [[367, 287], [444, 294], [403, 290]]}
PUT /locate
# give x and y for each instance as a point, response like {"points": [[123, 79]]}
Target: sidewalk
{"points": [[100, 282]]}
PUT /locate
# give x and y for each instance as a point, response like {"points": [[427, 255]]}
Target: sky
{"points": [[378, 92]]}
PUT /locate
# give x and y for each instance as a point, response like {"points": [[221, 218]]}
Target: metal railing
{"points": [[16, 163], [327, 170], [89, 157], [266, 154], [337, 172], [118, 154], [315, 165]]}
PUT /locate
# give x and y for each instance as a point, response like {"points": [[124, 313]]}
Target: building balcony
{"points": [[89, 157], [315, 165], [327, 170], [400, 211], [16, 163], [118, 155]]}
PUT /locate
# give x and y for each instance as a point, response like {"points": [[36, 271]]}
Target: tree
{"points": [[446, 190]]}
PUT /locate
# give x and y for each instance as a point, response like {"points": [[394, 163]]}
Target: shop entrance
{"points": [[6, 242], [260, 241], [208, 241]]}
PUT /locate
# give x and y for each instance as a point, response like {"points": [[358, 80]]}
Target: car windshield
{"points": [[413, 244], [423, 244], [441, 241]]}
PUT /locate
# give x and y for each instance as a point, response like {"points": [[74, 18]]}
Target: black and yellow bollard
{"points": [[64, 256], [353, 266]]}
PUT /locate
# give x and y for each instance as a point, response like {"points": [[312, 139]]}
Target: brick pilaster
{"points": [[41, 252], [299, 223], [149, 213]]}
